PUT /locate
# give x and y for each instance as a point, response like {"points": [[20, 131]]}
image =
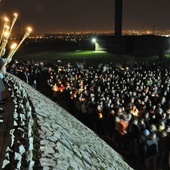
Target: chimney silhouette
{"points": [[118, 17]]}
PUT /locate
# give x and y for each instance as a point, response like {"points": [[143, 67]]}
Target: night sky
{"points": [[52, 16]]}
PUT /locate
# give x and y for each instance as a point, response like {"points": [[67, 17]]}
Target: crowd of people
{"points": [[130, 104]]}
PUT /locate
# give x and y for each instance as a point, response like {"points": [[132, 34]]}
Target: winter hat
{"points": [[146, 132]]}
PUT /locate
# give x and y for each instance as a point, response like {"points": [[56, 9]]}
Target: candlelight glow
{"points": [[100, 115], [13, 46], [13, 21], [6, 19], [11, 53], [6, 27], [15, 15], [55, 88], [4, 39], [29, 29], [6, 32]]}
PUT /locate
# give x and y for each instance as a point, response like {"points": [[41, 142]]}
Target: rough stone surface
{"points": [[65, 143]]}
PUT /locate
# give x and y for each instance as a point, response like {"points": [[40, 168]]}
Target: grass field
{"points": [[91, 58]]}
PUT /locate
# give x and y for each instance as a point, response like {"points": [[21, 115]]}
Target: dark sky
{"points": [[52, 16]]}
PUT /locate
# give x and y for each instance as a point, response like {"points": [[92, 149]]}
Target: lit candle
{"points": [[12, 49], [6, 20], [13, 21], [29, 30], [5, 37], [55, 87], [100, 116]]}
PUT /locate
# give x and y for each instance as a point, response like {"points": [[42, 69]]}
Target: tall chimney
{"points": [[118, 18]]}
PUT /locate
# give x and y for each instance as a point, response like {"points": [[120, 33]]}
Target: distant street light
{"points": [[94, 40], [99, 45]]}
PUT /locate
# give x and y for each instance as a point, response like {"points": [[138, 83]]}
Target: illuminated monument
{"points": [[135, 45]]}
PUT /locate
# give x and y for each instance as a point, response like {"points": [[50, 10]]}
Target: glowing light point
{"points": [[15, 15], [6, 19], [55, 88], [6, 34], [13, 46], [29, 29], [94, 40]]}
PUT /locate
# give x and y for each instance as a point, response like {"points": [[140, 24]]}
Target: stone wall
{"points": [[54, 139]]}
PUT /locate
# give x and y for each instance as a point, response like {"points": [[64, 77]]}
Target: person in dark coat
{"points": [[133, 135], [2, 85], [142, 141], [151, 152], [163, 151]]}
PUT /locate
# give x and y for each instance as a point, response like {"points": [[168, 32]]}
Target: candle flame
{"points": [[29, 29], [6, 19], [15, 15], [13, 46]]}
